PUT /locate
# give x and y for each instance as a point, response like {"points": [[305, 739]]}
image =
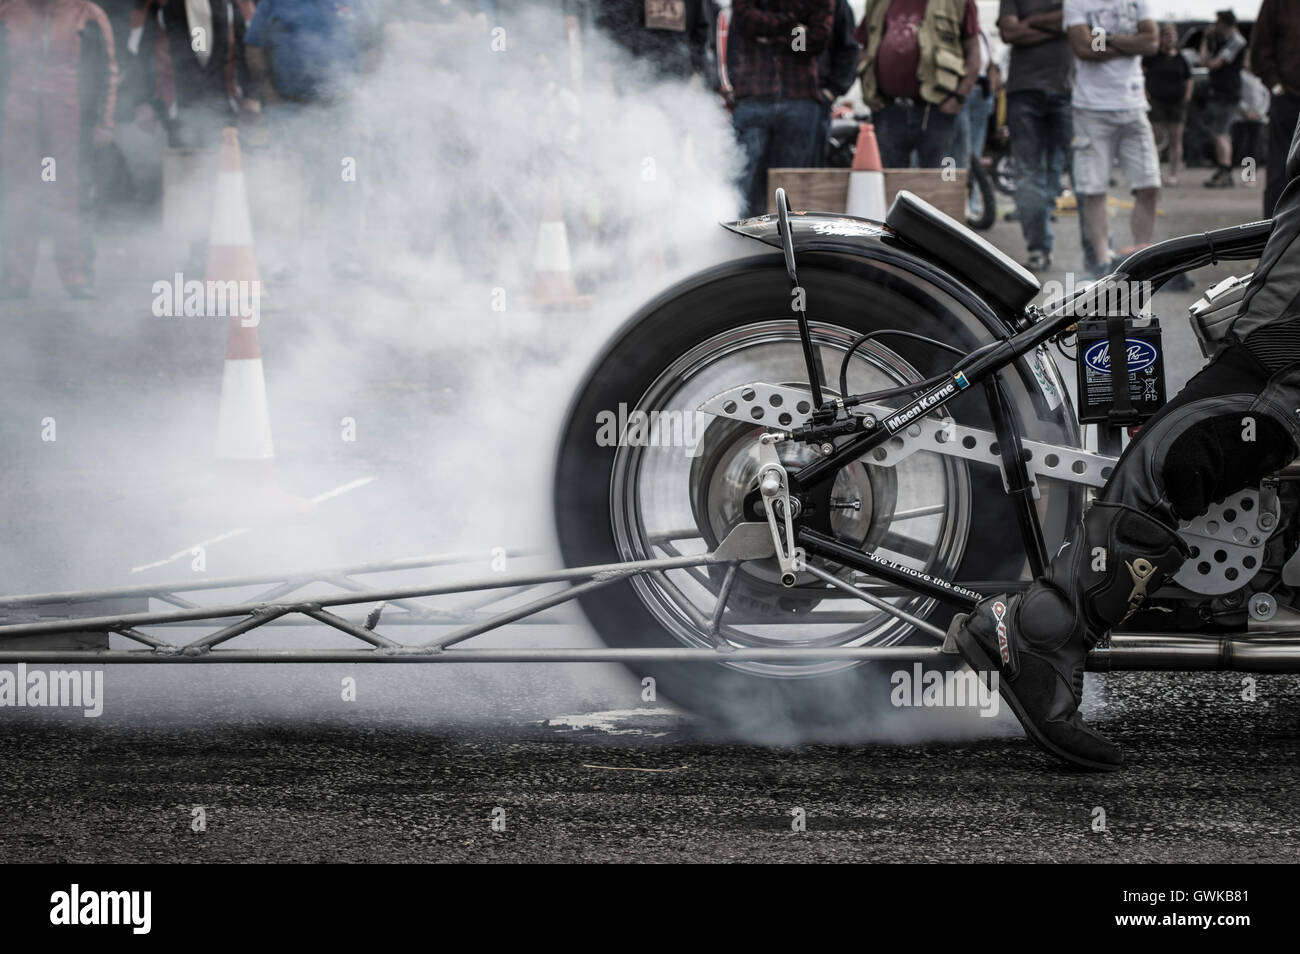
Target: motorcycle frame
{"points": [[1153, 265]]}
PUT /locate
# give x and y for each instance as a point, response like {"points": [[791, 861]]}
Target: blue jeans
{"points": [[774, 134], [972, 126], [823, 134], [979, 106], [1042, 128], [920, 128]]}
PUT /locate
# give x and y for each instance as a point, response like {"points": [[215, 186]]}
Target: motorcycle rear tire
{"points": [[843, 292]]}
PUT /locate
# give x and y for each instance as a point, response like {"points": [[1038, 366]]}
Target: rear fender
{"points": [[878, 245], [874, 241]]}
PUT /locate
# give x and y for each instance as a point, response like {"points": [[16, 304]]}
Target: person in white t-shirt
{"points": [[1109, 39]]}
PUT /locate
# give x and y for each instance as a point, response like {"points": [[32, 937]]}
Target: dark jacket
{"points": [[671, 52], [765, 55], [838, 67], [180, 79], [1275, 45], [1274, 293]]}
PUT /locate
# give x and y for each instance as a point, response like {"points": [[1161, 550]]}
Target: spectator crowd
{"points": [[1088, 86], [93, 93]]}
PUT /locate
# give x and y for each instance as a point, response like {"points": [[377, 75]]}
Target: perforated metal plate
{"points": [[1227, 546], [772, 405], [768, 405]]}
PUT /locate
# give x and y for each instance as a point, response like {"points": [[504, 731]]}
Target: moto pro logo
{"points": [[1141, 355]]}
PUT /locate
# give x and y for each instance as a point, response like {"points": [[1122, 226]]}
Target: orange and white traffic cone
{"points": [[553, 284], [244, 423], [867, 178]]}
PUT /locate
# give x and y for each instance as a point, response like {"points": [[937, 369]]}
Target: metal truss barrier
{"points": [[28, 619]]}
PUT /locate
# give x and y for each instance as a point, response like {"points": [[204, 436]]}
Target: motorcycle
{"points": [[842, 140], [1003, 165], [878, 403]]}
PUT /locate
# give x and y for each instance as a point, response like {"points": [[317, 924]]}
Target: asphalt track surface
{"points": [[1209, 778]]}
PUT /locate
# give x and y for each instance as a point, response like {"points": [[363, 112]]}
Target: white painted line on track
{"points": [[239, 531]]}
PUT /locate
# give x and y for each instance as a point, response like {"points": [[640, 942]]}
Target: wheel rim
{"points": [[974, 201], [665, 503], [1006, 174]]}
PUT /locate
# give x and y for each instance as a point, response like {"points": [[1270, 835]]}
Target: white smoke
{"points": [[453, 381]]}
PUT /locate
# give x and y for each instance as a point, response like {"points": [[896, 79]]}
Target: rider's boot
{"points": [[1038, 641]]}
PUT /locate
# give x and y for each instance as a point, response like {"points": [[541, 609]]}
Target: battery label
{"points": [[1146, 376]]}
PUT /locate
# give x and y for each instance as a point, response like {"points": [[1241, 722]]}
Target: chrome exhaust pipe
{"points": [[1157, 651]]}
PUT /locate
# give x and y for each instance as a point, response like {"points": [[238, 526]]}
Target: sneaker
{"points": [[81, 292], [1038, 260], [9, 292]]}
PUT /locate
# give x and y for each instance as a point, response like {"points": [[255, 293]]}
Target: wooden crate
{"points": [[73, 638], [946, 195], [272, 181], [827, 190], [810, 190]]}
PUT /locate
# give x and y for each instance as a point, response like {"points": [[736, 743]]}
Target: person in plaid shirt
{"points": [[772, 58]]}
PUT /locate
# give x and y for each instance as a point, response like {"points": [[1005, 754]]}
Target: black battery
{"points": [[1141, 366]]}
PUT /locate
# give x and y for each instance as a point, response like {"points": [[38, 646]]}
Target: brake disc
{"points": [[862, 498]]}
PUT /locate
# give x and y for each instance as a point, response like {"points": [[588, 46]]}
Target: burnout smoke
{"points": [[428, 352]]}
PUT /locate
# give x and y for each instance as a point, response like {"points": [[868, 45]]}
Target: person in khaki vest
{"points": [[920, 59]]}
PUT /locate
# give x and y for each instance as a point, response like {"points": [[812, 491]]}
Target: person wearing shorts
{"points": [[1109, 39], [1169, 87]]}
